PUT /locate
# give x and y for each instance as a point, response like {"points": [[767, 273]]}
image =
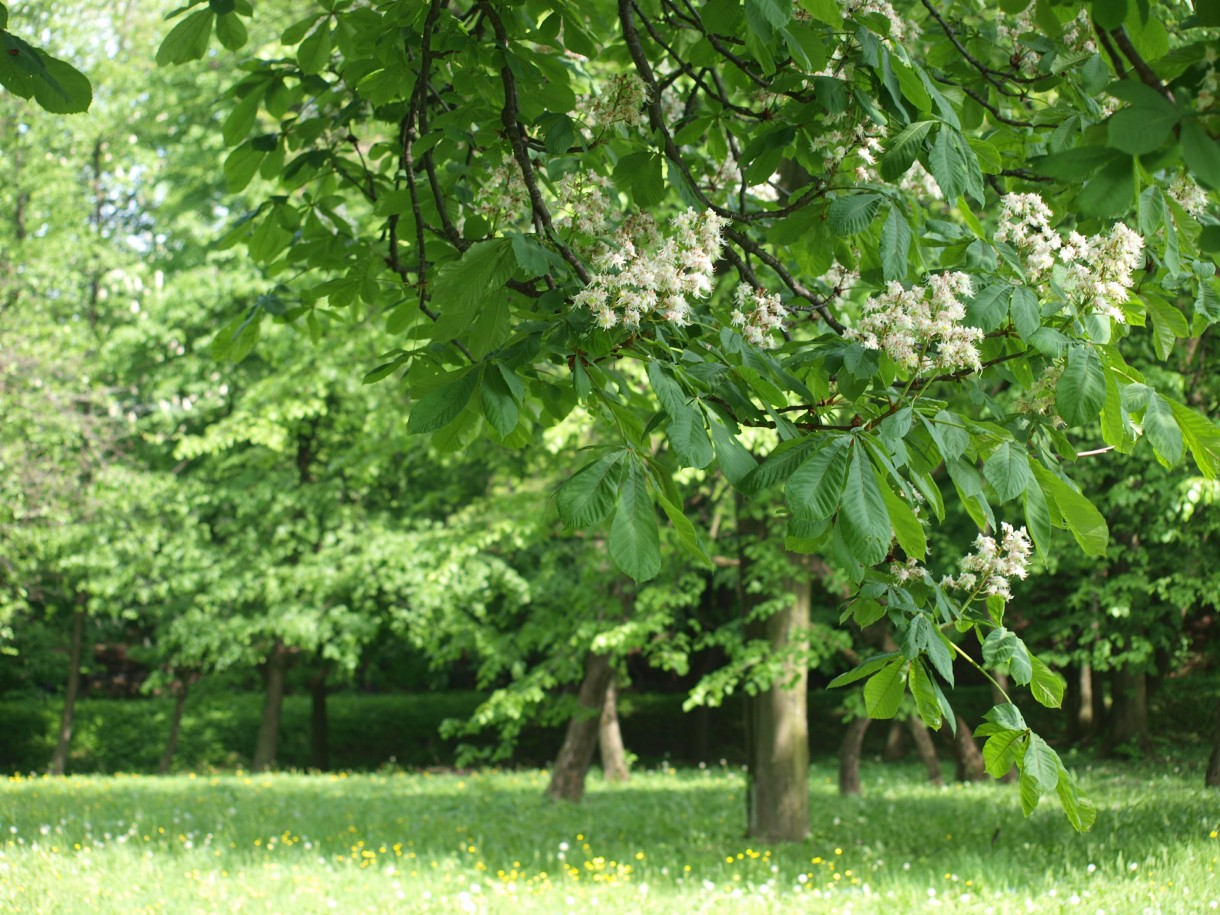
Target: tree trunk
{"points": [[926, 749], [568, 777], [778, 730], [895, 742], [182, 688], [319, 724], [1129, 710], [269, 730], [610, 738], [1212, 779], [849, 756], [1097, 692], [59, 759], [970, 765]]}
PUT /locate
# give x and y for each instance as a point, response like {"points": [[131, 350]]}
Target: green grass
{"points": [[669, 841]]}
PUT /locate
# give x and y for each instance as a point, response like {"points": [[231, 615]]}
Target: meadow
{"points": [[668, 841]]}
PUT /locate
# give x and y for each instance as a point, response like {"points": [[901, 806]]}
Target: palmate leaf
{"points": [[852, 214], [1081, 391], [588, 496], [27, 72], [883, 692], [863, 518], [635, 538]]}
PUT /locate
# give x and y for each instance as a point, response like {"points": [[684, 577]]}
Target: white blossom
{"points": [[922, 328]]}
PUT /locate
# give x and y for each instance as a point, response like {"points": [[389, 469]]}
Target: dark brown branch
{"points": [[1120, 68], [509, 116], [798, 289], [985, 71], [1139, 65]]}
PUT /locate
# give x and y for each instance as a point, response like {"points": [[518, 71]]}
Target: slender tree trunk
{"points": [[1212, 779], [266, 749], [319, 723], [568, 776], [778, 729], [59, 759], [610, 738], [849, 756], [182, 688], [926, 749], [970, 765], [1129, 711], [895, 742]]}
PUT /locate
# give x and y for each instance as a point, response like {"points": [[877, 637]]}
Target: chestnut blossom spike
{"points": [[992, 565], [922, 328]]}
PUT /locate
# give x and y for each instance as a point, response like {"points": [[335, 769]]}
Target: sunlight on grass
{"points": [[668, 841]]}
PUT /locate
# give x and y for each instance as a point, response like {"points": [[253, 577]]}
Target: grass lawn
{"points": [[669, 841]]}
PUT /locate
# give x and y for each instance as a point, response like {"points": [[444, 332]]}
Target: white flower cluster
{"points": [[504, 193], [1099, 268], [863, 139], [1078, 34], [921, 328], [634, 283], [900, 28], [620, 101], [757, 315], [1025, 222], [992, 565], [584, 202], [838, 279], [1188, 195]]}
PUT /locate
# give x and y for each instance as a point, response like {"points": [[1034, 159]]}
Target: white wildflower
{"points": [[922, 328], [992, 564]]}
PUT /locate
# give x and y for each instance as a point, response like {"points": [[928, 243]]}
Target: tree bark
{"points": [[267, 747], [610, 738], [319, 722], [970, 765], [926, 749], [1212, 778], [1129, 711], [59, 759], [182, 688], [895, 742], [778, 729], [580, 741], [849, 756]]}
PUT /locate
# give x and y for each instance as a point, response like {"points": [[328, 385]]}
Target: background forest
{"points": [[253, 515]]}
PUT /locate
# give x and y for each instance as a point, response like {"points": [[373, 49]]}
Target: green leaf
{"points": [[1142, 128], [1007, 470], [1168, 324], [1041, 763], [242, 118], [852, 214], [863, 519], [188, 40], [467, 292], [587, 498], [895, 246], [640, 174], [499, 405], [55, 85], [440, 407], [688, 537], [826, 11], [926, 700], [1202, 437], [1038, 518], [688, 437], [1024, 311], [907, 527], [735, 461], [780, 463], [814, 487], [883, 692], [1161, 428], [1201, 153], [1110, 191], [864, 669], [1079, 514], [989, 307], [1081, 391], [1079, 809], [231, 31], [313, 53], [904, 149], [635, 540], [775, 12], [241, 165], [1109, 14], [237, 338], [1046, 686], [1000, 752], [1006, 715]]}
